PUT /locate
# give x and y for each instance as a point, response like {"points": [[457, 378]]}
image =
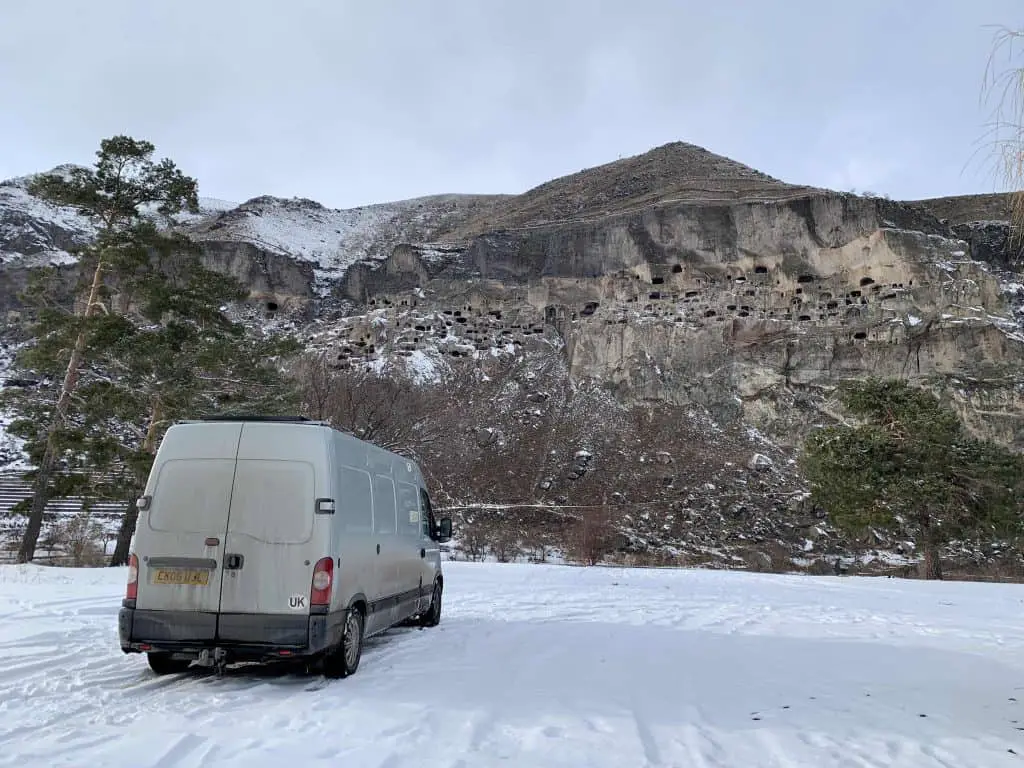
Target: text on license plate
{"points": [[195, 578]]}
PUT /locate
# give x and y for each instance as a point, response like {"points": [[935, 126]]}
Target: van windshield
{"points": [[272, 501]]}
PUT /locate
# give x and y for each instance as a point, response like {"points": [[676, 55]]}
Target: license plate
{"points": [[178, 576]]}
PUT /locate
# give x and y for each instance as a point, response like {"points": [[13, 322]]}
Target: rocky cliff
{"points": [[677, 277]]}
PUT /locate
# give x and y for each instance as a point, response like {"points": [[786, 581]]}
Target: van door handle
{"points": [[378, 549], [423, 552], [233, 562]]}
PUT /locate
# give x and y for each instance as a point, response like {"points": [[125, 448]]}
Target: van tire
{"points": [[344, 660], [165, 664], [432, 616]]}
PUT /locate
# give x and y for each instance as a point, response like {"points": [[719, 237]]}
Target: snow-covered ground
{"points": [[547, 666]]}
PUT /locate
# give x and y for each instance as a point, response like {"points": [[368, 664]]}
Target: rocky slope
{"points": [[677, 281]]}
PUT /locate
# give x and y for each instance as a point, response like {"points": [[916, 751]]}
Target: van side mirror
{"points": [[444, 530]]}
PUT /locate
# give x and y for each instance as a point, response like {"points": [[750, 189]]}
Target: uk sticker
{"points": [[297, 602], [414, 515]]}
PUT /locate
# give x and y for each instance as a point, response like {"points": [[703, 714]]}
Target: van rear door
{"points": [[273, 541], [180, 553]]}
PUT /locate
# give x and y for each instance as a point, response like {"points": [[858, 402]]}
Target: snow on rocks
{"points": [[37, 233], [333, 239], [12, 455]]}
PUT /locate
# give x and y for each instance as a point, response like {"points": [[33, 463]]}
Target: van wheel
{"points": [[432, 616], [344, 660], [165, 664]]}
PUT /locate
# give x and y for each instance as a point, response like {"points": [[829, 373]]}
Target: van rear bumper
{"points": [[244, 636]]}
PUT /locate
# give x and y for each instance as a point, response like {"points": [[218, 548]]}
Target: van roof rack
{"points": [[258, 417]]}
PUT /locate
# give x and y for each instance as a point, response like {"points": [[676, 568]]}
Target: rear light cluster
{"points": [[323, 582], [131, 592]]}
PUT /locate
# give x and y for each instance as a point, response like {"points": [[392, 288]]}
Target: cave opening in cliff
{"points": [[657, 281], [860, 335], [760, 270], [271, 307], [805, 279], [589, 308], [866, 281], [677, 268]]}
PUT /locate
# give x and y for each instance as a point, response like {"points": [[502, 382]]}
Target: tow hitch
{"points": [[218, 659]]}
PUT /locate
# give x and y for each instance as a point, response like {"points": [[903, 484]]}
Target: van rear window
{"points": [[192, 496], [273, 501]]}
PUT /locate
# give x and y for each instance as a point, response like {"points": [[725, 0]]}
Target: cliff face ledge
{"points": [[754, 310]]}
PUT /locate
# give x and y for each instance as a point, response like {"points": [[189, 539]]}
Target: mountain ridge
{"points": [[676, 283]]}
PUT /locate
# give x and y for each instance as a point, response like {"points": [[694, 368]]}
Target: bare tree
{"points": [[1004, 83], [315, 379], [593, 537], [380, 407]]}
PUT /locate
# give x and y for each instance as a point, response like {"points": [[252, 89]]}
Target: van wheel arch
{"points": [[359, 603]]}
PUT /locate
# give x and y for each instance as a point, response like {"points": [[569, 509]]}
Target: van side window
{"points": [[408, 510], [384, 505], [355, 501], [428, 514]]}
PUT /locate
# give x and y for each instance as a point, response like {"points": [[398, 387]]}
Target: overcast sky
{"points": [[352, 102]]}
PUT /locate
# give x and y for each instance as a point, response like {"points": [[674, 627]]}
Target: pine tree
{"points": [[114, 193], [910, 468], [150, 342]]}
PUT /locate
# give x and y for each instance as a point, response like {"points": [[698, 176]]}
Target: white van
{"points": [[266, 538]]}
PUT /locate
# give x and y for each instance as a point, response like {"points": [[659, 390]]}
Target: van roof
{"points": [[257, 417]]}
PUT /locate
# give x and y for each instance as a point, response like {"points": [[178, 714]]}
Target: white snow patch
{"points": [[423, 368]]}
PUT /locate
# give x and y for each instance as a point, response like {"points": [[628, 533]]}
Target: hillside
{"points": [[583, 343], [963, 209], [673, 173]]}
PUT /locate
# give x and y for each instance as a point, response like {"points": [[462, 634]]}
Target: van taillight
{"points": [[132, 590], [323, 581]]}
